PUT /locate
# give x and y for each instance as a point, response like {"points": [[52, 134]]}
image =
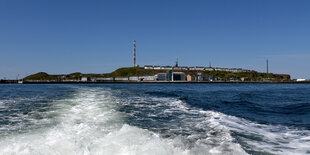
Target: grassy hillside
{"points": [[138, 71], [133, 71], [41, 76]]}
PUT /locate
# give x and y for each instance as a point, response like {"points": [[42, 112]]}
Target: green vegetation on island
{"points": [[41, 76], [139, 71]]}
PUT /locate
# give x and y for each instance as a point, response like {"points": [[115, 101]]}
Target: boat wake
{"points": [[102, 120]]}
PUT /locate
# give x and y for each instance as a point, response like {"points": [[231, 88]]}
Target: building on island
{"points": [[178, 76], [146, 78], [196, 68], [190, 77], [121, 78], [161, 77], [170, 76], [133, 78], [84, 79]]}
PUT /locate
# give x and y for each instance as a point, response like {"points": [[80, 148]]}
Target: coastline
{"points": [[155, 82]]}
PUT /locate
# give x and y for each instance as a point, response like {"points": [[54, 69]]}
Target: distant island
{"points": [[164, 74], [161, 74]]}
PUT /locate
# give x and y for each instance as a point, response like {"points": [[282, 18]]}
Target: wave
{"points": [[258, 106], [258, 138], [173, 117], [89, 123], [296, 109], [102, 120]]}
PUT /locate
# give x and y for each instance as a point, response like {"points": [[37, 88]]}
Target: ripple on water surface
{"points": [[128, 119]]}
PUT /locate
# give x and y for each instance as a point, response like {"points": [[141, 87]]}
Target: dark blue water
{"points": [[158, 118], [287, 105]]}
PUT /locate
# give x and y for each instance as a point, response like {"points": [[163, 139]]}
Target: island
{"points": [[161, 74]]}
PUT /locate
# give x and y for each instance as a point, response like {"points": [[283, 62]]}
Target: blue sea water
{"points": [[155, 119]]}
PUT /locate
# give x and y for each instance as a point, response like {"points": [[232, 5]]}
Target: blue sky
{"points": [[58, 36]]}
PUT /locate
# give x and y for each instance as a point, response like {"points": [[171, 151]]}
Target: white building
{"points": [[300, 80], [84, 79], [157, 67], [184, 68], [133, 78], [121, 78], [197, 68], [209, 69], [166, 67], [146, 78], [148, 67], [107, 79]]}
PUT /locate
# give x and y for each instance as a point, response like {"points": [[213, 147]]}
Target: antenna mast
{"points": [[134, 53], [267, 67]]}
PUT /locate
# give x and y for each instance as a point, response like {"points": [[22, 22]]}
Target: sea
{"points": [[154, 119]]}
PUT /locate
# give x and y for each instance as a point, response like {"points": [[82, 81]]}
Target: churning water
{"points": [[155, 119]]}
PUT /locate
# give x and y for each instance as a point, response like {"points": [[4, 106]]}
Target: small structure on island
{"points": [[121, 78], [146, 78], [85, 79], [178, 76], [133, 78], [190, 77], [176, 63], [170, 76], [161, 77]]}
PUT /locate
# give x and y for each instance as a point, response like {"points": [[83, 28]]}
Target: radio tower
{"points": [[267, 68], [134, 53]]}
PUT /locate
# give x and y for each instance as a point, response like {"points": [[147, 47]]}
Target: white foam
{"points": [[272, 139], [2, 104], [88, 124], [204, 142]]}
